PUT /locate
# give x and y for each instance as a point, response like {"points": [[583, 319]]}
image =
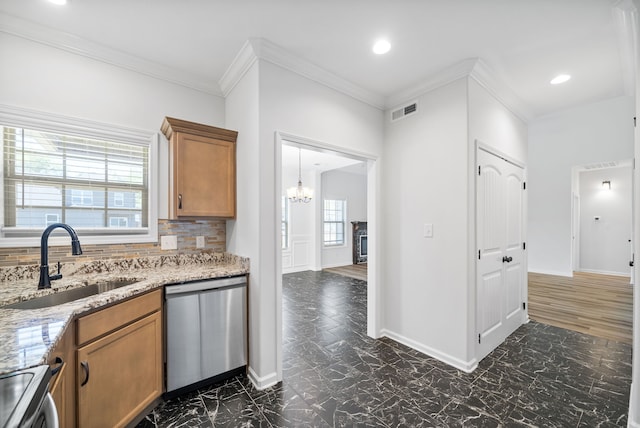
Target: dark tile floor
{"points": [[334, 375]]}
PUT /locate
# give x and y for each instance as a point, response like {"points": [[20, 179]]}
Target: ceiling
{"points": [[524, 42], [316, 160]]}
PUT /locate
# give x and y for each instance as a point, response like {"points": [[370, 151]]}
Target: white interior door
{"points": [[500, 264]]}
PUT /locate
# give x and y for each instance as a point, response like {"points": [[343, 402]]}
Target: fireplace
{"points": [[362, 247], [359, 242]]}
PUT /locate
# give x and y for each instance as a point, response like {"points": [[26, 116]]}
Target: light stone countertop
{"points": [[27, 336]]}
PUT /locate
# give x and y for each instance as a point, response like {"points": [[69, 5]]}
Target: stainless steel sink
{"points": [[70, 295]]}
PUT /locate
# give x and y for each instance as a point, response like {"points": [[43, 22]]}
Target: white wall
{"points": [[425, 181], [242, 114], [352, 188], [52, 80], [429, 170], [591, 133], [44, 78], [286, 102], [301, 254], [604, 243], [493, 124]]}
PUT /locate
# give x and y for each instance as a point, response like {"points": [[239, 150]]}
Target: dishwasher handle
{"points": [[211, 284]]}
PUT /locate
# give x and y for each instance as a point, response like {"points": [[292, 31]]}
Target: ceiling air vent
{"points": [[601, 165], [404, 111]]}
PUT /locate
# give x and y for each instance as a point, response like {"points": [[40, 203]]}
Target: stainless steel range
{"points": [[25, 400]]}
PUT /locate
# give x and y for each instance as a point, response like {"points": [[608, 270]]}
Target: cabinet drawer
{"points": [[92, 326]]}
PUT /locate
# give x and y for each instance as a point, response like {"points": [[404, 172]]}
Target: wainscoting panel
{"points": [[297, 257], [300, 253]]}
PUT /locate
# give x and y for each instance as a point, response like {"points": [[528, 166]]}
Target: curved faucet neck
{"points": [[76, 250]]}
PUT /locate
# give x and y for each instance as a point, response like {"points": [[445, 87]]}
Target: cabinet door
{"points": [[205, 177], [62, 385], [119, 375]]}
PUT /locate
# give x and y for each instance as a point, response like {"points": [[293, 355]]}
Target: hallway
{"points": [[334, 375], [599, 305]]}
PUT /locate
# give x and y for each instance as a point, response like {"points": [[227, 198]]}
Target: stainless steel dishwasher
{"points": [[206, 332]]}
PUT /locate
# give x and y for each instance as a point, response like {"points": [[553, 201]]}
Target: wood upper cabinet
{"points": [[202, 178], [119, 361], [62, 385]]}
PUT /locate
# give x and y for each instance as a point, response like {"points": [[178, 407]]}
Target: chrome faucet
{"points": [[45, 279]]}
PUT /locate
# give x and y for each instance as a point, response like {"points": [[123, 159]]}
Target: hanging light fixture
{"points": [[299, 193]]}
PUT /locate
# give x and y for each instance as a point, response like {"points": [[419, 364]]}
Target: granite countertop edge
{"points": [[28, 336]]}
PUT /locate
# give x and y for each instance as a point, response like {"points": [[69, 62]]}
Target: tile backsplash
{"points": [[214, 232]]}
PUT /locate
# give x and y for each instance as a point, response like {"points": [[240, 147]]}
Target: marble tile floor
{"points": [[336, 376]]}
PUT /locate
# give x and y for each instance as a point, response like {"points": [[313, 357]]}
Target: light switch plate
{"points": [[169, 242], [428, 230], [199, 241]]}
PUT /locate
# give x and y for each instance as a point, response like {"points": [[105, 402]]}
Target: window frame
{"points": [[343, 223], [284, 223], [48, 122]]}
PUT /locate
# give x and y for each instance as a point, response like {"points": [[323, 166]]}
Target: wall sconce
{"points": [[606, 184]]}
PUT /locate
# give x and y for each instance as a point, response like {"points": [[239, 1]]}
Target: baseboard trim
{"points": [[604, 272], [296, 269], [465, 366], [263, 382], [335, 265], [552, 272]]}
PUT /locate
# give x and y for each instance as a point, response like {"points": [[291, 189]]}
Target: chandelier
{"points": [[299, 193]]}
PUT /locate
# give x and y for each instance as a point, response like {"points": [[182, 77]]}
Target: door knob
{"points": [[507, 259]]}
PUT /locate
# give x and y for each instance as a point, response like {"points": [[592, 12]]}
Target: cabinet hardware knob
{"points": [[179, 201], [60, 363], [85, 366]]}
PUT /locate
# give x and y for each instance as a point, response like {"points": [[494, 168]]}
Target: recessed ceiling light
{"points": [[59, 2], [381, 47], [561, 78]]}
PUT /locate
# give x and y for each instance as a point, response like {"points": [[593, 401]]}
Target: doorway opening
{"points": [[602, 209], [598, 298], [321, 242]]}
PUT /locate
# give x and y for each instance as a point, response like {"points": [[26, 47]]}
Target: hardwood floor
{"points": [[599, 305], [358, 271]]}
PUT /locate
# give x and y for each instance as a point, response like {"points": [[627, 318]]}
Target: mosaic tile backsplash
{"points": [[214, 232]]}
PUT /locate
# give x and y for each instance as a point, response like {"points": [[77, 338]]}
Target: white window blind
{"points": [[78, 179], [334, 216], [95, 180]]}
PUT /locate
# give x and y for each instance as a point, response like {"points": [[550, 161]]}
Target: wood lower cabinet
{"points": [[119, 370], [202, 170], [62, 385]]}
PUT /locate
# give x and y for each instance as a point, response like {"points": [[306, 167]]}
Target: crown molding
{"points": [[265, 50], [487, 78], [625, 18], [473, 68], [262, 49], [441, 78], [238, 68], [79, 46]]}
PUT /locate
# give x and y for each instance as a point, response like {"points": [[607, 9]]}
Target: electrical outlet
{"points": [[199, 241], [169, 242]]}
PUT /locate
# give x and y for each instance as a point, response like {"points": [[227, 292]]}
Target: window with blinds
{"points": [[334, 217], [99, 186]]}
